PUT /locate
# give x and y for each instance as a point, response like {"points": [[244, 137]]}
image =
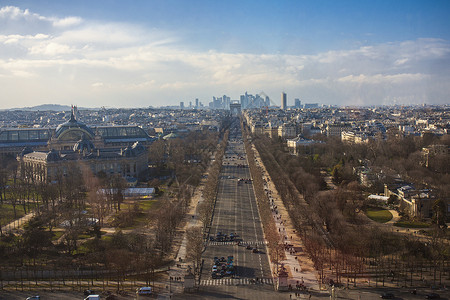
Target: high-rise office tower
{"points": [[196, 102], [182, 105], [283, 101], [298, 103]]}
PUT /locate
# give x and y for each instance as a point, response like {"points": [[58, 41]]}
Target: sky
{"points": [[159, 52]]}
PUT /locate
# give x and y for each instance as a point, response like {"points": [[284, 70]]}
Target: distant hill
{"points": [[52, 107]]}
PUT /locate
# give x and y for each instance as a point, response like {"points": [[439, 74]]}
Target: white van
{"points": [[146, 290], [92, 297]]}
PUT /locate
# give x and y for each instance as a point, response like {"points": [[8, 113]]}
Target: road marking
{"points": [[234, 243], [236, 281]]}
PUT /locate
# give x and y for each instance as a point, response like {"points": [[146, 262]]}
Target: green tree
{"points": [[336, 173], [35, 238]]}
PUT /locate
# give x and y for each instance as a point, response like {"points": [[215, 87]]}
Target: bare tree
{"points": [[194, 246]]}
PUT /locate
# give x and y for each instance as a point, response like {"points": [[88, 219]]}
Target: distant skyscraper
{"points": [[283, 101], [298, 103], [182, 105], [196, 102]]}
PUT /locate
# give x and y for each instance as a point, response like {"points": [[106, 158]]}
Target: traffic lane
{"points": [[229, 224], [257, 291], [253, 232], [55, 295], [225, 219]]}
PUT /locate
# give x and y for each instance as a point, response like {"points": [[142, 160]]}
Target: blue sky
{"points": [[141, 53]]}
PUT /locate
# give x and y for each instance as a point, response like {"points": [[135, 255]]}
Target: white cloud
{"points": [[381, 78], [67, 22], [50, 49], [98, 84], [105, 63]]}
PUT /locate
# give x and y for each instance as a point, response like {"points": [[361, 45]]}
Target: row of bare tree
{"points": [[330, 224], [274, 240]]}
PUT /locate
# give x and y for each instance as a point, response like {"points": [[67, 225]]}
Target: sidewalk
{"points": [[299, 266], [174, 284], [16, 225], [395, 217]]}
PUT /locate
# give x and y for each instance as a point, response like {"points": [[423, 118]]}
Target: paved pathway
{"points": [[298, 264], [16, 225], [174, 284], [395, 217]]}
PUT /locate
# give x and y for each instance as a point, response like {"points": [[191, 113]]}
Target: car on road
{"points": [[37, 297], [146, 290], [433, 296], [387, 296], [249, 247], [255, 250]]}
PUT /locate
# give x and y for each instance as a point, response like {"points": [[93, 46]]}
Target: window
{"points": [[43, 135], [123, 132], [33, 135], [23, 135], [4, 136], [13, 136]]}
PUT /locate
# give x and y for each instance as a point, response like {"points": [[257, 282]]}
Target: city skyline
{"points": [[157, 53]]}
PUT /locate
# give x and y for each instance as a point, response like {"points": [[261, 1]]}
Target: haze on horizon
{"points": [[157, 53]]}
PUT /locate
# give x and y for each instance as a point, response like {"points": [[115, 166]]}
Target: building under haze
{"points": [[283, 101], [64, 136], [46, 154], [50, 166]]}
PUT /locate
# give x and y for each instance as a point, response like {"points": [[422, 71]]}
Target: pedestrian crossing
{"points": [[235, 281], [234, 243]]}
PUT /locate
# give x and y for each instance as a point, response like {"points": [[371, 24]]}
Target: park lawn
{"points": [[57, 235], [106, 238], [379, 215], [145, 205], [7, 213], [411, 224], [141, 218]]}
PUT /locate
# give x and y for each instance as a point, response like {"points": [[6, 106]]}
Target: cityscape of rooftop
{"points": [[203, 149]]}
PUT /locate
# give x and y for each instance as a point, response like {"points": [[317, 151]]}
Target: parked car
{"points": [[433, 296], [37, 297]]}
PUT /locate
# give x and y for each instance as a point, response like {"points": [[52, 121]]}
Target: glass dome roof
{"points": [[73, 130]]}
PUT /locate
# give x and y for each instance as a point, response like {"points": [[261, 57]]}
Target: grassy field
{"points": [[139, 218], [411, 224], [7, 213], [379, 215]]}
